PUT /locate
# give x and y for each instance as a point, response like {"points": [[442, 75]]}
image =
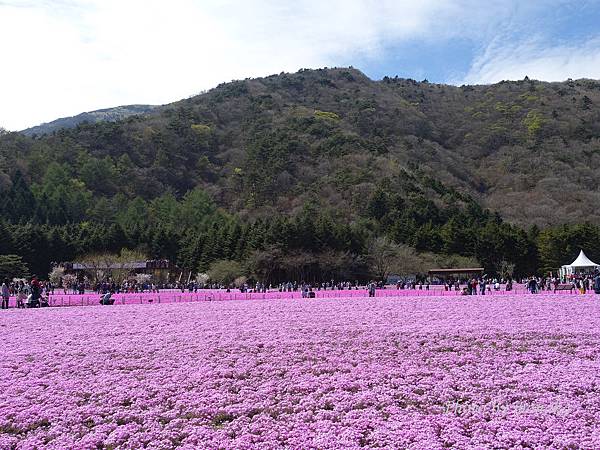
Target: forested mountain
{"points": [[101, 115], [322, 161]]}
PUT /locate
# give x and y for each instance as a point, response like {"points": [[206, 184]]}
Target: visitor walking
{"points": [[21, 294], [372, 289], [5, 292], [36, 292], [532, 286]]}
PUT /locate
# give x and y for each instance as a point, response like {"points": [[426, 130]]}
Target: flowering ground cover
{"points": [[410, 372]]}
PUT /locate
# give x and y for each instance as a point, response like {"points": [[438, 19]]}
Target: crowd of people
{"points": [[581, 283], [34, 292], [290, 286], [30, 293]]}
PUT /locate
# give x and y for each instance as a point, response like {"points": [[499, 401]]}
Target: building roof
{"points": [[582, 261]]}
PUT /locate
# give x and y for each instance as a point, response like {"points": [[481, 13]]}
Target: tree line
{"points": [[314, 244]]}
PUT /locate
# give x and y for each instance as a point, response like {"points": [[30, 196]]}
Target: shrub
{"points": [[326, 115], [225, 271]]}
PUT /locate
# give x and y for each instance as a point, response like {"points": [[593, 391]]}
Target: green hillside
{"points": [[319, 163]]}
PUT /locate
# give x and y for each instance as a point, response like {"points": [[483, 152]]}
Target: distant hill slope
{"points": [[101, 115], [527, 149]]}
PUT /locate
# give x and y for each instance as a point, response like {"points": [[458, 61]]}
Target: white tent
{"points": [[581, 265]]}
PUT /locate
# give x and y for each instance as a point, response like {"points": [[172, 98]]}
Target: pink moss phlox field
{"points": [[427, 372]]}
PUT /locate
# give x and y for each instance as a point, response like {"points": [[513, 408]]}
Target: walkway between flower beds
{"points": [[222, 295]]}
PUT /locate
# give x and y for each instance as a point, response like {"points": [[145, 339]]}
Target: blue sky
{"points": [[69, 56], [444, 62], [551, 28]]}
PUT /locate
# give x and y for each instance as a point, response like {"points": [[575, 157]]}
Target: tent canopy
{"points": [[582, 264], [583, 261]]}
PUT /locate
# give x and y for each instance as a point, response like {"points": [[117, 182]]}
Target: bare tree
{"points": [[97, 264], [56, 275], [263, 263], [116, 266], [409, 262], [122, 265], [225, 271], [383, 257], [506, 269]]}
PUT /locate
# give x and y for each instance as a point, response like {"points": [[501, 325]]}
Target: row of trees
{"points": [[407, 236], [12, 266]]}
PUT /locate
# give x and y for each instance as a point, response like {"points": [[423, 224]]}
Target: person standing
{"points": [[5, 292], [371, 289], [21, 295], [532, 285], [36, 291]]}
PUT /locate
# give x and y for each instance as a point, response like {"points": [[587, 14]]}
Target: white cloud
{"points": [[536, 60], [63, 57], [67, 56]]}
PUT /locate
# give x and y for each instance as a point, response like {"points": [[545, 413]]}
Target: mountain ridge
{"points": [[314, 165], [505, 144], [111, 114]]}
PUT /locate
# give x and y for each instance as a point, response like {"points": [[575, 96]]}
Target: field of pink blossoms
{"points": [[446, 372]]}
